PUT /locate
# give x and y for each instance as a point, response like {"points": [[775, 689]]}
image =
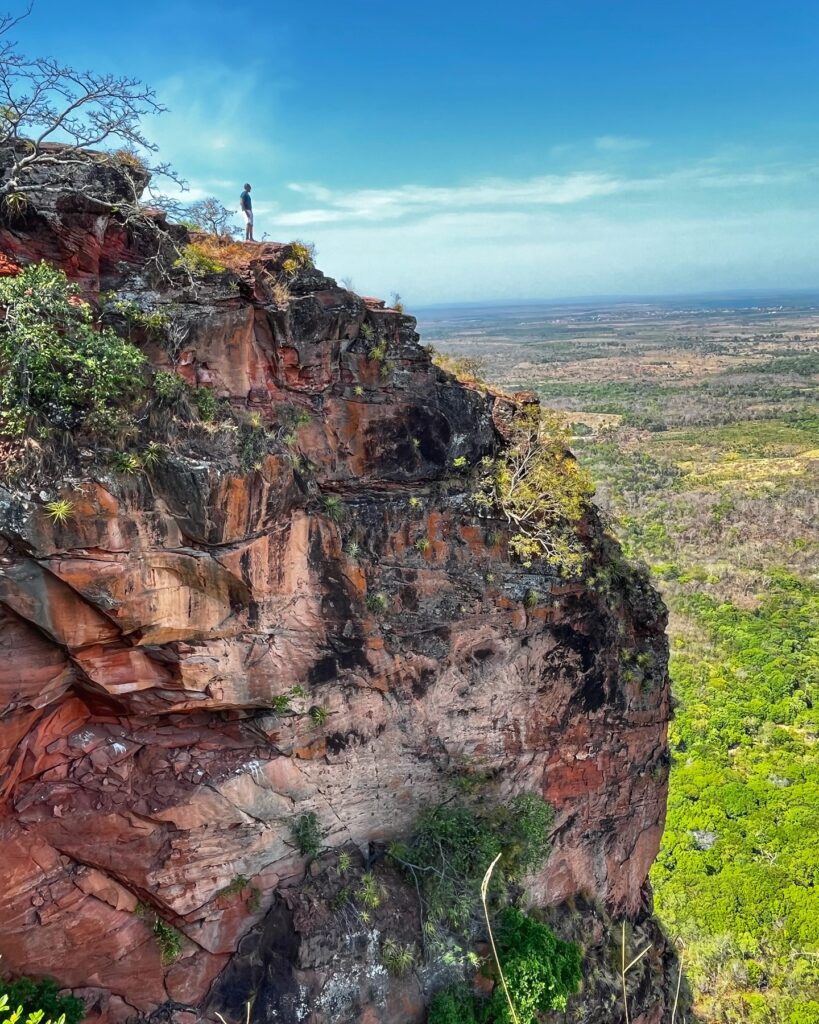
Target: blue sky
{"points": [[473, 151]]}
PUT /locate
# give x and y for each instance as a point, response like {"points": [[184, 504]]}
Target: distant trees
{"points": [[211, 216], [44, 102]]}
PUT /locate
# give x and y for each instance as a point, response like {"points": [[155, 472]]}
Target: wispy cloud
{"points": [[331, 206], [406, 200], [619, 143]]}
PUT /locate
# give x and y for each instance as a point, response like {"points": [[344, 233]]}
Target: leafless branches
{"points": [[52, 114]]}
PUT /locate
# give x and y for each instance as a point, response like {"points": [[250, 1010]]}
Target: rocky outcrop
{"points": [[152, 765]]}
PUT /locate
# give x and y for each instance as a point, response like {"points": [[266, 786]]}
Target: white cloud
{"points": [[331, 206], [619, 143], [391, 203]]}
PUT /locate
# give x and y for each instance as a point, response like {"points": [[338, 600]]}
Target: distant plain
{"points": [[699, 420]]}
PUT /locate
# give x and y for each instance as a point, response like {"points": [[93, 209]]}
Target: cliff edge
{"points": [[295, 612]]}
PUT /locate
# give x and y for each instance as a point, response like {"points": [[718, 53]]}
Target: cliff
{"points": [[252, 631]]}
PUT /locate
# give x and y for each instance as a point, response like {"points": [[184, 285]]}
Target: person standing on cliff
{"points": [[247, 210]]}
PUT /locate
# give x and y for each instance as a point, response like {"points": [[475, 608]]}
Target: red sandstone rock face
{"points": [[141, 645]]}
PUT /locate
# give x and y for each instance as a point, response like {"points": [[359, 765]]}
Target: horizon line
{"points": [[619, 297]]}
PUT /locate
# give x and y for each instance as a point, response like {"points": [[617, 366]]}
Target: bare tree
{"points": [[53, 114], [210, 215]]}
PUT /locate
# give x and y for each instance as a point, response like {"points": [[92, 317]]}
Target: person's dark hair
{"points": [[247, 186]]}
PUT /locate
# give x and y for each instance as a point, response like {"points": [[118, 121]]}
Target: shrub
{"points": [[252, 445], [377, 603], [539, 487], [205, 401], [334, 508], [15, 206], [368, 893], [41, 995], [307, 834], [453, 845], [302, 255], [541, 970], [169, 941], [152, 321], [169, 387], [319, 713], [396, 958], [466, 370], [453, 1005], [199, 261], [56, 370]]}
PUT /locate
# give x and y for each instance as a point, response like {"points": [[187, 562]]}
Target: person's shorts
{"points": [[248, 216]]}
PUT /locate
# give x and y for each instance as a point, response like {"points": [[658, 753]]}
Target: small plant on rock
{"points": [[398, 959], [368, 893], [127, 462], [334, 508], [205, 401], [169, 941], [15, 206], [302, 256], [423, 544], [319, 713], [377, 603], [530, 599], [152, 455], [60, 511], [307, 834]]}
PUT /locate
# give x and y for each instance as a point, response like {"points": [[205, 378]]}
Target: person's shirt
{"points": [[244, 199]]}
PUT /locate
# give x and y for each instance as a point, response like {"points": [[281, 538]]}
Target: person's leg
{"points": [[248, 227]]}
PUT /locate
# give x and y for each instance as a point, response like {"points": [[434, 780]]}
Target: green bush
{"points": [[453, 845], [453, 1005], [56, 370], [42, 994], [541, 490], [541, 970], [307, 833], [205, 401], [198, 262], [169, 941]]}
